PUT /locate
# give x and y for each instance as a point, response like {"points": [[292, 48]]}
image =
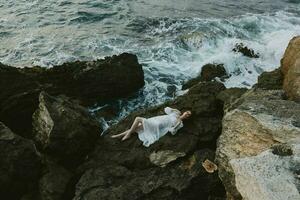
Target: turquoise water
{"points": [[173, 39]]}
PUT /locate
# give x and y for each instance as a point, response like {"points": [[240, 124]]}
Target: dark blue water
{"points": [[172, 38]]}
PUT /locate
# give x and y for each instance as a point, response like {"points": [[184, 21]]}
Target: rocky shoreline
{"points": [[88, 82], [51, 148]]}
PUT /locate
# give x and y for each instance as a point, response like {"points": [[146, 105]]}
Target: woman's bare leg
{"points": [[120, 135], [135, 126]]}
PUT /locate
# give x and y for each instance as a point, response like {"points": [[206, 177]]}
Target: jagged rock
{"points": [[185, 180], [90, 82], [64, 129], [208, 73], [247, 166], [54, 182], [240, 47], [127, 170], [290, 67], [19, 164], [270, 80]]}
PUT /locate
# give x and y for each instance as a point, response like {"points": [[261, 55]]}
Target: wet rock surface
{"points": [[89, 82], [241, 48]]}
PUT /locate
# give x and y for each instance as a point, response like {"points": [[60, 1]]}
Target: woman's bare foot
{"points": [[119, 135]]}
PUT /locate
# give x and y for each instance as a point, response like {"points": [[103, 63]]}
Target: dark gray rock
{"points": [[125, 170], [19, 164], [240, 47], [89, 82], [208, 73], [270, 80], [185, 180], [64, 130], [54, 182]]}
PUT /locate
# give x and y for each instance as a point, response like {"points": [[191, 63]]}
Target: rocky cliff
{"points": [[258, 150], [251, 135]]}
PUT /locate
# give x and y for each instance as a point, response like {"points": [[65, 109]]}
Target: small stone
{"points": [[282, 150]]}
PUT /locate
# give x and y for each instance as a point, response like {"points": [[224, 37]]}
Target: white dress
{"points": [[156, 127]]}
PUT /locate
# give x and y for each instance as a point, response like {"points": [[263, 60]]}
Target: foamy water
{"points": [[172, 39]]}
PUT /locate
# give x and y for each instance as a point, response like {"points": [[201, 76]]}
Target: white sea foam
{"points": [[171, 50], [268, 35]]}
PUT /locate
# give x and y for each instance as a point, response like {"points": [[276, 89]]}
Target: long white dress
{"points": [[156, 127]]}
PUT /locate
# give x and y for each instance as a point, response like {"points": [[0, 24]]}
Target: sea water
{"points": [[173, 39]]}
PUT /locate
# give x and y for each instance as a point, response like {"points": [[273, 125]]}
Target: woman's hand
{"points": [[173, 129]]}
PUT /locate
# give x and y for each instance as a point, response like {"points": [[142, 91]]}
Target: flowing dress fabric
{"points": [[156, 127]]}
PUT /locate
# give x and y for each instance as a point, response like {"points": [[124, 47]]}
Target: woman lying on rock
{"points": [[151, 129]]}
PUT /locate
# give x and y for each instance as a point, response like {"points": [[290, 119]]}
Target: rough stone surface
{"points": [[270, 80], [128, 170], [290, 67], [262, 119], [231, 97], [90, 82], [162, 158], [183, 180], [268, 176], [19, 164], [54, 182], [64, 129]]}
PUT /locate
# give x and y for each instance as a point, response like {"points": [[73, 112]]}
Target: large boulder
{"points": [[290, 67], [89, 82], [208, 73], [184, 180], [19, 164], [171, 168], [251, 165], [64, 130]]}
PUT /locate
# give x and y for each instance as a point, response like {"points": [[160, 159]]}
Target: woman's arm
{"points": [[175, 128]]}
